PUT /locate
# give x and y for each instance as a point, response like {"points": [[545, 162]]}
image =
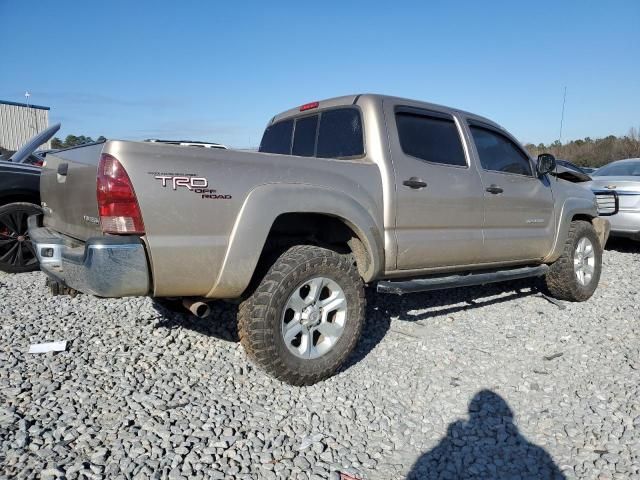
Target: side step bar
{"points": [[401, 287]]}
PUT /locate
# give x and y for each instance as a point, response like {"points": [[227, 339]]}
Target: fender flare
{"points": [[258, 213], [571, 207]]}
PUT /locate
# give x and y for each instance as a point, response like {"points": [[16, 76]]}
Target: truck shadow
{"points": [[487, 445], [222, 322], [421, 307], [623, 245]]}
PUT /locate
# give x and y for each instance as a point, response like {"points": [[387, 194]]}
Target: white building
{"points": [[19, 122]]}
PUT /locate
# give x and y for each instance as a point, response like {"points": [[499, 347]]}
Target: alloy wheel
{"points": [[16, 248], [314, 317]]}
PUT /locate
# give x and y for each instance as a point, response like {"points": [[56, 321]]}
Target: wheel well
{"points": [[20, 197], [319, 229], [582, 216]]}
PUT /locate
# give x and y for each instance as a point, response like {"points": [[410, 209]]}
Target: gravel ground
{"points": [[488, 381]]}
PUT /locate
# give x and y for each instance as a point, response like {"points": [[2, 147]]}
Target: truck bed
{"points": [[189, 226]]}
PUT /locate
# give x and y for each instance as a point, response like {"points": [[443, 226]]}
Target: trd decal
{"points": [[188, 182], [193, 183]]}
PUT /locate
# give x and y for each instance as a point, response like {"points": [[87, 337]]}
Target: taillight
{"points": [[117, 203]]}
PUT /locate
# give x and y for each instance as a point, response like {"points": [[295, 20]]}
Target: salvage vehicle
{"points": [[571, 166], [342, 192], [19, 199], [621, 178]]}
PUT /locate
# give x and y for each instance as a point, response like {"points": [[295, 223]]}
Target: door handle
{"points": [[415, 183], [63, 169], [495, 189]]}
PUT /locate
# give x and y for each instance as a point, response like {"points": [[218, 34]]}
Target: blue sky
{"points": [[218, 71]]}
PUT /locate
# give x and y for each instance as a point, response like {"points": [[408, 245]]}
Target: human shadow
{"points": [[487, 445]]}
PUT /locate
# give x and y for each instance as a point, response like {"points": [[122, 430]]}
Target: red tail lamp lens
{"points": [[117, 203]]}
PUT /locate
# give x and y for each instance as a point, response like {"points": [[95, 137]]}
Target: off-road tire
{"points": [[561, 280], [13, 264], [260, 315]]}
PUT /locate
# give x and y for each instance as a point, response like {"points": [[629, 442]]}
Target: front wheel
{"points": [[575, 275], [305, 317]]}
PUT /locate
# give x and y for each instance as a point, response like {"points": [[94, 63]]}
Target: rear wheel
{"points": [[17, 253], [575, 275], [305, 317]]}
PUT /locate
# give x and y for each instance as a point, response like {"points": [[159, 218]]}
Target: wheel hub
{"points": [[584, 261], [314, 317], [310, 316]]}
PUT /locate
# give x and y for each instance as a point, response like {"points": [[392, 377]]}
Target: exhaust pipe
{"points": [[199, 309]]}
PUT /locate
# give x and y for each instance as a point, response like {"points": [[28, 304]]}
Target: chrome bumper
{"points": [[103, 266]]}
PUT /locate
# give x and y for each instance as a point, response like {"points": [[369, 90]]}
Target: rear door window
{"points": [[498, 153], [340, 134], [304, 136], [277, 138], [431, 138]]}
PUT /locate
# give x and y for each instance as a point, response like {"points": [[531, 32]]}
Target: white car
{"points": [[623, 178]]}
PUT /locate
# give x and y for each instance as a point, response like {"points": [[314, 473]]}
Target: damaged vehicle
{"points": [[20, 198], [354, 190]]}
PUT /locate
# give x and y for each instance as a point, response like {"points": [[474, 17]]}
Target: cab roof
{"points": [[357, 98]]}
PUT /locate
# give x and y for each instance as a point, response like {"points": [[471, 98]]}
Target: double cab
{"points": [[355, 190]]}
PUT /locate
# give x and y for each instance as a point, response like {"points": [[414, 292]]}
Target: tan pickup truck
{"points": [[343, 192]]}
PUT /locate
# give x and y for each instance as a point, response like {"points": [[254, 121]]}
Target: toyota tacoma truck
{"points": [[343, 192]]}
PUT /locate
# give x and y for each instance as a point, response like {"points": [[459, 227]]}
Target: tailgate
{"points": [[68, 191]]}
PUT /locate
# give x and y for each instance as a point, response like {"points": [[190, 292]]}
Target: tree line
{"points": [[74, 141], [588, 152]]}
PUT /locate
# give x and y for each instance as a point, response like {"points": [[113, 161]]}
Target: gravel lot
{"points": [[488, 381]]}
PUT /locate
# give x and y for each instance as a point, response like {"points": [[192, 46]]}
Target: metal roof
{"points": [[18, 104]]}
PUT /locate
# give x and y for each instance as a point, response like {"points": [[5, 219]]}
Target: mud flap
{"points": [[602, 228]]}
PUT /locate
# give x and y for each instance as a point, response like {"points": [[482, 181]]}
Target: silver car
{"points": [[623, 178]]}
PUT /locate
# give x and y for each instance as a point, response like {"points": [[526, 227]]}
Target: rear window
{"points": [[335, 133], [340, 134], [277, 138], [304, 136]]}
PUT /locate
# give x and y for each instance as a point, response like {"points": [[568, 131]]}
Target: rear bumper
{"points": [[103, 266]]}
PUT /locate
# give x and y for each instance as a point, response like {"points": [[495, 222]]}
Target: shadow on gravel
{"points": [[623, 245], [381, 308], [488, 445], [221, 323]]}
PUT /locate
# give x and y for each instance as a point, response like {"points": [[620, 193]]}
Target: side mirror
{"points": [[546, 163]]}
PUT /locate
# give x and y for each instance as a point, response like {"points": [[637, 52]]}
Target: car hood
{"points": [[33, 144], [621, 183]]}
